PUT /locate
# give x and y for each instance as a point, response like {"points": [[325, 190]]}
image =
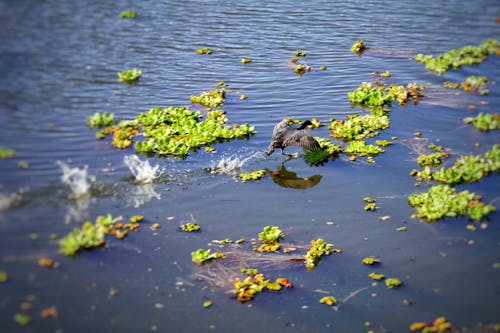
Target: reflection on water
{"points": [[142, 194], [285, 178], [77, 210], [77, 179]]}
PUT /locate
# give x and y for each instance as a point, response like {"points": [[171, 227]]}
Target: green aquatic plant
{"points": [[254, 175], [432, 160], [318, 249], [129, 76], [204, 50], [442, 201], [271, 234], [245, 60], [370, 95], [136, 218], [300, 69], [99, 119], [332, 149], [213, 99], [376, 276], [360, 148], [475, 84], [4, 276], [371, 261], [128, 14], [358, 47], [484, 121], [300, 54], [190, 227], [316, 157], [357, 127], [202, 256], [393, 282], [22, 319], [456, 58], [370, 206], [252, 285], [7, 153], [328, 300], [467, 168], [383, 143]]}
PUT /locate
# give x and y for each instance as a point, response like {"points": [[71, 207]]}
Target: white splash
{"points": [[142, 194], [77, 179], [9, 200], [228, 165], [143, 171]]}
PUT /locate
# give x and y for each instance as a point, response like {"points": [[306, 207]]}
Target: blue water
{"points": [[59, 62]]}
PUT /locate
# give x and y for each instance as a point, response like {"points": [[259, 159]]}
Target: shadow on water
{"points": [[289, 179]]}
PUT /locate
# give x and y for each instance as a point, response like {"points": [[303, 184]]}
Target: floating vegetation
{"points": [[440, 324], [328, 300], [383, 143], [301, 69], [22, 319], [376, 276], [176, 131], [369, 199], [136, 218], [207, 304], [371, 261], [128, 14], [254, 175], [360, 148], [254, 284], [7, 153], [332, 149], [4, 276], [316, 157], [99, 119], [202, 256], [484, 121], [431, 160], [393, 282], [370, 206], [358, 47], [456, 58], [190, 227], [468, 168], [475, 84], [204, 50], [357, 127], [300, 53], [213, 99], [373, 95], [322, 68], [90, 235], [318, 249], [271, 234], [245, 60], [442, 201], [129, 76]]}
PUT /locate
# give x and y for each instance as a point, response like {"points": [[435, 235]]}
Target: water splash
{"points": [[9, 200], [228, 165], [142, 194], [77, 179], [143, 172]]}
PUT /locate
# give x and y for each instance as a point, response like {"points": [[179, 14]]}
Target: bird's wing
{"points": [[280, 127], [304, 140]]}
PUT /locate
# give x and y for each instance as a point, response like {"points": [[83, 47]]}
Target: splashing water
{"points": [[143, 171], [227, 165], [77, 179]]}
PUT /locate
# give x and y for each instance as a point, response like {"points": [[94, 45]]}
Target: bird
{"points": [[284, 136]]}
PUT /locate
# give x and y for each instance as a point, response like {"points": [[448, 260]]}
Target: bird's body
{"points": [[284, 136]]}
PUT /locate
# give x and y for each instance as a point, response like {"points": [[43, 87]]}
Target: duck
{"points": [[284, 135]]}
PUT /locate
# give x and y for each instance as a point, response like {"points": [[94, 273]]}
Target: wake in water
{"points": [[77, 179], [229, 165], [143, 172]]}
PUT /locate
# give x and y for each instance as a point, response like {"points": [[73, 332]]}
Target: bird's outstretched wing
{"points": [[280, 128], [304, 140]]}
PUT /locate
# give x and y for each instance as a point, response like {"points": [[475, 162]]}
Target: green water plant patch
{"points": [[484, 121], [318, 249], [252, 285], [128, 14], [467, 168], [202, 256], [432, 160], [270, 239], [213, 99], [456, 58], [440, 324], [475, 84], [332, 149], [328, 300], [370, 95], [254, 175], [358, 47], [130, 75], [442, 201], [190, 227], [357, 127], [371, 261], [7, 153], [375, 276], [360, 148], [101, 119], [393, 283], [204, 50]]}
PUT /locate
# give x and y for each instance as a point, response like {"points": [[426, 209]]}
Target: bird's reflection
{"points": [[289, 179]]}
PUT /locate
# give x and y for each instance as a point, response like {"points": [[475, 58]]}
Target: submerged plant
{"points": [[129, 76], [456, 58], [442, 201], [254, 175], [202, 256], [484, 121], [318, 249]]}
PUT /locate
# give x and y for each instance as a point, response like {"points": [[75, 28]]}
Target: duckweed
{"points": [[318, 249], [7, 153], [484, 121], [328, 300], [190, 227], [357, 127], [440, 325], [252, 285], [204, 50], [358, 47], [456, 58], [393, 282], [467, 168], [360, 148], [99, 119], [129, 76], [212, 99], [254, 175], [442, 201], [202, 256]]}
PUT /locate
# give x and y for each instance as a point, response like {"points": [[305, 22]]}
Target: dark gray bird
{"points": [[284, 136]]}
